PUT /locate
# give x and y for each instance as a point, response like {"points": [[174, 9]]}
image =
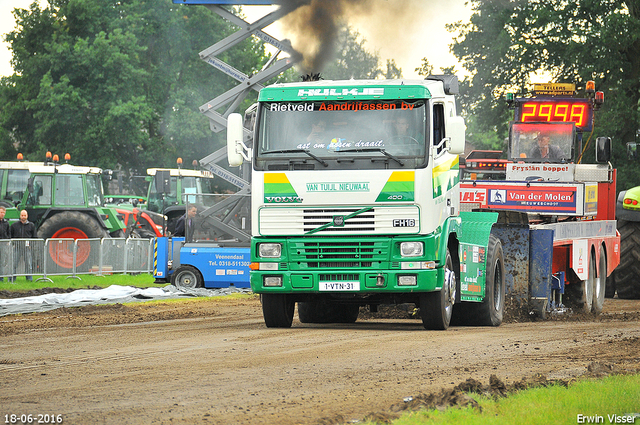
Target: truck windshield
{"points": [[342, 134], [541, 142]]}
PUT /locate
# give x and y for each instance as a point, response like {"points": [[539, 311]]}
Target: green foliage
{"points": [[354, 61], [506, 42], [614, 395], [116, 83], [425, 68]]}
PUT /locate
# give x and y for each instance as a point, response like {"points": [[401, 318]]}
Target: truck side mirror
{"points": [[455, 130], [234, 140], [30, 187], [603, 149]]}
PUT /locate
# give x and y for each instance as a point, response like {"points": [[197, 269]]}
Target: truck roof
{"points": [[353, 89], [175, 172]]}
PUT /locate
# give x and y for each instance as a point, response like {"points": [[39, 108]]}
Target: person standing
{"points": [[5, 233], [23, 229], [184, 225]]}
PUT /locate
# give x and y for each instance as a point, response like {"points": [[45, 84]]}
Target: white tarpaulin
{"points": [[111, 295]]}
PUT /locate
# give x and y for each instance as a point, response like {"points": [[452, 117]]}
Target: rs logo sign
{"points": [[474, 196]]}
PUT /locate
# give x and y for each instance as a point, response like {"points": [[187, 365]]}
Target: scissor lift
{"points": [[231, 99]]}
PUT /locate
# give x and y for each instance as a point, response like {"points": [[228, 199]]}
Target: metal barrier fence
{"points": [[28, 257]]}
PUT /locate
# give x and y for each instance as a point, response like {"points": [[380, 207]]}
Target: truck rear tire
{"points": [[627, 274], [600, 284], [187, 277], [436, 308], [491, 310], [73, 225], [277, 310]]}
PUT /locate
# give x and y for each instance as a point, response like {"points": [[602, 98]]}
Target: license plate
{"points": [[339, 286]]}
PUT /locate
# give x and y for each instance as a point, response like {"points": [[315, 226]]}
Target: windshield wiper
{"points": [[382, 151], [320, 160]]}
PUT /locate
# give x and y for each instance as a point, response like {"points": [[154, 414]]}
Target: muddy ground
{"points": [[214, 362]]}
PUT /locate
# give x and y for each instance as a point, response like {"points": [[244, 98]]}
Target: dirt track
{"points": [[214, 362]]}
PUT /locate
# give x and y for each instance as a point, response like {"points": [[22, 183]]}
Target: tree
{"points": [[353, 60], [425, 69], [506, 41], [115, 84]]}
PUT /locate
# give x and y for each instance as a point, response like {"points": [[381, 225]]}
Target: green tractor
{"points": [[626, 277], [62, 200]]}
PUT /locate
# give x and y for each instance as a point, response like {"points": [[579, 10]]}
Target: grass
{"points": [[598, 401], [85, 281]]}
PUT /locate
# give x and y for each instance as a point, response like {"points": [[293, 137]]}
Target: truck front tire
{"points": [[277, 310], [436, 308]]}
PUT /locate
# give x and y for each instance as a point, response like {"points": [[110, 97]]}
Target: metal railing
{"points": [[51, 257]]}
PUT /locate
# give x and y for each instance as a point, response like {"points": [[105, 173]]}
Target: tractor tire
{"points": [[627, 274], [70, 225], [6, 204]]}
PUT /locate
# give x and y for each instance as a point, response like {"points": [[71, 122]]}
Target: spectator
{"points": [[23, 229], [5, 233], [184, 226]]}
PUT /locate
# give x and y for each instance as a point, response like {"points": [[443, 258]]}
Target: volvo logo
{"points": [[338, 220]]}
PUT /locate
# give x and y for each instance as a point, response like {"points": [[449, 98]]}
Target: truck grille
{"points": [[315, 218], [339, 254], [290, 220]]}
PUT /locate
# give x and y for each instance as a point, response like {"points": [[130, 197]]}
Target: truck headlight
{"points": [[269, 250], [411, 249], [271, 281]]}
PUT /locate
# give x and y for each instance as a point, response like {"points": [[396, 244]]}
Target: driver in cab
{"points": [[544, 150]]}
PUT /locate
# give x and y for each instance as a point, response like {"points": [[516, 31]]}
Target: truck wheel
{"points": [[312, 312], [491, 310], [187, 277], [72, 225], [436, 307], [348, 313], [277, 310], [600, 282], [581, 292], [628, 271], [6, 204]]}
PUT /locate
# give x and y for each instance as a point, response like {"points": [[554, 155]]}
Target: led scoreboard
{"points": [[579, 111]]}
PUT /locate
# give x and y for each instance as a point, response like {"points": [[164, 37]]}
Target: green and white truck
{"points": [[355, 202]]}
